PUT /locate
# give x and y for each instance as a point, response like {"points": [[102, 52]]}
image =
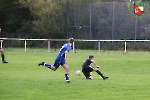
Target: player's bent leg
{"points": [[45, 64], [1, 51], [53, 68], [100, 73], [48, 66], [87, 74], [65, 66]]}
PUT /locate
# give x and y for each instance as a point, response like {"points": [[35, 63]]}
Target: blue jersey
{"points": [[60, 59], [64, 48]]}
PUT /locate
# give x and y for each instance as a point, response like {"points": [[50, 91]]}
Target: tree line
{"points": [[35, 18]]}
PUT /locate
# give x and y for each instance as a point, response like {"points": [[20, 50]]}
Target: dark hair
{"points": [[91, 56], [71, 40]]}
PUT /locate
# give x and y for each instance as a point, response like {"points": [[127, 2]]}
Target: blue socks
{"points": [[47, 65], [67, 77]]}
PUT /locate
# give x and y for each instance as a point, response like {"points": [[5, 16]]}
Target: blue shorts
{"points": [[59, 61]]}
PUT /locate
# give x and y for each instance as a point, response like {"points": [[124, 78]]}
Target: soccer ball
{"points": [[78, 72]]}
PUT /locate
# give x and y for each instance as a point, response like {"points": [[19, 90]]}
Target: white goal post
{"points": [[99, 42]]}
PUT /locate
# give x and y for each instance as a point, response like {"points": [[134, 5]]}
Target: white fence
{"points": [[49, 45]]}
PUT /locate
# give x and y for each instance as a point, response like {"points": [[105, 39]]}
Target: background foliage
{"points": [[36, 18], [50, 19]]}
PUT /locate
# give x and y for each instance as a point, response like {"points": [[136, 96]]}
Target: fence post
{"points": [[49, 46], [73, 47], [25, 45], [125, 47], [99, 46]]}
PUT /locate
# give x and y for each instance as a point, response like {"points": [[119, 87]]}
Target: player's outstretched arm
{"points": [[66, 56], [95, 63]]}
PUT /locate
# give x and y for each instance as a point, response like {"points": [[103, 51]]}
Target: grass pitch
{"points": [[22, 79]]}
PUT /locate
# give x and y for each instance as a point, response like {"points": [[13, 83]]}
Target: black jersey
{"points": [[86, 63]]}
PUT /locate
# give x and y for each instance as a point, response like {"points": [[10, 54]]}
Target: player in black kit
{"points": [[86, 68], [2, 51]]}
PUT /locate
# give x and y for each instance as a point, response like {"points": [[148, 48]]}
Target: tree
{"points": [[48, 17], [12, 16]]}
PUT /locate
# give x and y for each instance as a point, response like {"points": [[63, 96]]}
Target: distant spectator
{"points": [[2, 51]]}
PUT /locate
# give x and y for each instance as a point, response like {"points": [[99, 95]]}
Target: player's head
{"points": [[91, 57], [71, 40]]}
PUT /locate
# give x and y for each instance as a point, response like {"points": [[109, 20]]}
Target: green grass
{"points": [[22, 79]]}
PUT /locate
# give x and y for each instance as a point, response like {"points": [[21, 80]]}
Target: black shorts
{"points": [[86, 71]]}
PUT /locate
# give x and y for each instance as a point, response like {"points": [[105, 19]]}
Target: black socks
{"points": [[98, 72], [2, 55]]}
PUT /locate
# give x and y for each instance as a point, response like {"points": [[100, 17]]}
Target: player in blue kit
{"points": [[61, 59]]}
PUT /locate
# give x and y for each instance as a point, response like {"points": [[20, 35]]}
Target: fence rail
{"points": [[79, 40]]}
